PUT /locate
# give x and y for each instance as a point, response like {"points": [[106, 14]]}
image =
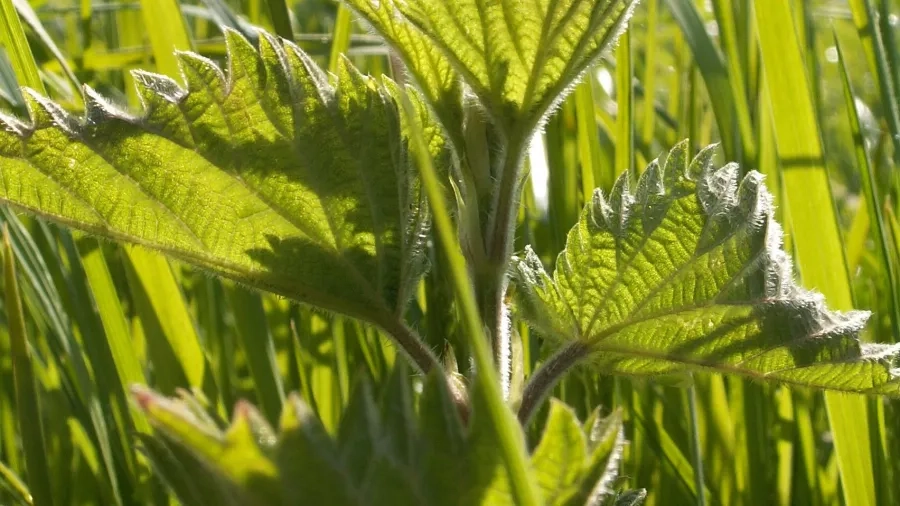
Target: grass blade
{"points": [[870, 192], [278, 11], [167, 31], [866, 20], [27, 398], [815, 232], [12, 37], [624, 105], [168, 324], [712, 68], [256, 340]]}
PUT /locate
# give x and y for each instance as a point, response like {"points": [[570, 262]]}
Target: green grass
{"points": [[89, 319]]}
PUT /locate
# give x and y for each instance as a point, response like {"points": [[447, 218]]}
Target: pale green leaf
{"points": [[561, 454], [241, 454], [687, 272], [428, 66], [439, 461], [518, 57], [605, 440], [274, 174], [575, 465]]}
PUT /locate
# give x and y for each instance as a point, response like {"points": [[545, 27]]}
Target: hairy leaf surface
{"points": [[518, 57], [687, 272], [274, 174]]}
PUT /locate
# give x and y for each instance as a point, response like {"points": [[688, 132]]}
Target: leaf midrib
{"points": [[734, 369]]}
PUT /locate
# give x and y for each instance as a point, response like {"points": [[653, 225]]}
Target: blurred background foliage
{"points": [[99, 317]]}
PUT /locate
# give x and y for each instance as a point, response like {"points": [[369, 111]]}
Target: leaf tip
{"points": [[44, 113], [98, 109], [151, 86]]}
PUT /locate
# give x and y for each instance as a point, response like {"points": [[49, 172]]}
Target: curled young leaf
{"points": [[687, 272]]}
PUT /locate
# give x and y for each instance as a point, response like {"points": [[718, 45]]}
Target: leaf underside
{"points": [[687, 272], [519, 58], [275, 174]]}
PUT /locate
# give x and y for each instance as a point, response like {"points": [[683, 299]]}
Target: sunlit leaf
{"points": [[561, 454], [430, 68], [687, 272], [274, 174], [519, 58], [237, 459]]}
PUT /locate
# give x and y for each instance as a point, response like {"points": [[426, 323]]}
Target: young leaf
{"points": [[440, 462], [574, 465], [431, 70], [309, 461], [605, 440], [687, 272], [240, 454], [519, 58], [561, 454], [276, 175]]}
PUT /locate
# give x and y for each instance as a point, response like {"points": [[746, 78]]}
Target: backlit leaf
{"points": [[428, 66], [561, 454], [274, 174], [687, 272], [440, 463], [518, 57]]}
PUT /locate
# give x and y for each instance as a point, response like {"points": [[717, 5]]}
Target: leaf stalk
{"points": [[412, 345], [547, 376]]}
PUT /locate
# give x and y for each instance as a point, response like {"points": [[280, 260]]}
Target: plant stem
{"points": [[546, 377], [508, 435], [499, 239]]}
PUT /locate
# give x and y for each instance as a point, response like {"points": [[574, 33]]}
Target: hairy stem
{"points": [[512, 448], [499, 234], [546, 377], [412, 345]]}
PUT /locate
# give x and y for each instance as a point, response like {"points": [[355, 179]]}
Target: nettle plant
{"points": [[331, 189]]}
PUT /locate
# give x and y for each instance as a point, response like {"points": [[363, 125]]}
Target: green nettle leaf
{"points": [[687, 272], [428, 66], [518, 57], [233, 464], [561, 454], [574, 466], [440, 461], [274, 174]]}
